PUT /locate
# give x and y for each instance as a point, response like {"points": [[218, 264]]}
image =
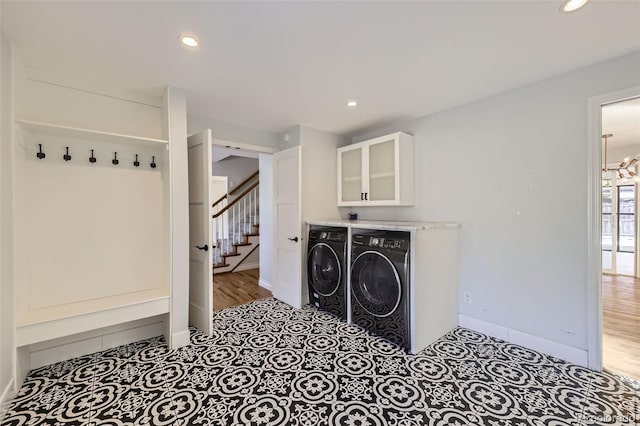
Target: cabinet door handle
{"points": [[362, 196], [366, 194], [205, 247], [295, 239]]}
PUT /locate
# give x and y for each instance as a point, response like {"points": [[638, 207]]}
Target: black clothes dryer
{"points": [[327, 270], [380, 285]]}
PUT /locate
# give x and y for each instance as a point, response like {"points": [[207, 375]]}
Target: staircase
{"points": [[236, 228]]}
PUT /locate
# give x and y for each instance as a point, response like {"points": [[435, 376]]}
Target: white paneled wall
{"points": [[7, 353], [95, 246]]}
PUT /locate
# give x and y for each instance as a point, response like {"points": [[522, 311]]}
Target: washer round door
{"points": [[323, 269], [375, 284]]}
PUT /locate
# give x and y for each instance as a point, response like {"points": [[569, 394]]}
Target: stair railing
{"points": [[223, 233], [221, 202], [235, 220]]}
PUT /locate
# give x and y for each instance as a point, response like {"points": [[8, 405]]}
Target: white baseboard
{"points": [[180, 339], [558, 350], [264, 284], [489, 328], [7, 395], [247, 266]]}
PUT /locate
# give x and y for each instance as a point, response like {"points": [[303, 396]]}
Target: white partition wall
{"points": [[7, 329], [100, 235]]}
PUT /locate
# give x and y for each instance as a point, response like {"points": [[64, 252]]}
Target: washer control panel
{"points": [[327, 236]]}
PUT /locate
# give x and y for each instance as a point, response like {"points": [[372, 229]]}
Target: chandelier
{"points": [[625, 169]]}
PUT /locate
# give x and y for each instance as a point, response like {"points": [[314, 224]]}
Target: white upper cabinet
{"points": [[377, 172]]}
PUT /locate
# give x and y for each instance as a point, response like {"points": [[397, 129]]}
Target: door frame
{"points": [[594, 225], [223, 143]]}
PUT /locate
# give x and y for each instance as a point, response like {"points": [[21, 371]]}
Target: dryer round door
{"points": [[323, 269], [375, 284]]}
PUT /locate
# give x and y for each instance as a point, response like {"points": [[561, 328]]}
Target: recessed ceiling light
{"points": [[189, 40], [352, 103], [572, 5]]}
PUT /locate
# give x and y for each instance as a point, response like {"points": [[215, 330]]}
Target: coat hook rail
{"points": [[66, 156]]}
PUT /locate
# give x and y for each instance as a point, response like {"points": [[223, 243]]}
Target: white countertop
{"points": [[385, 224]]}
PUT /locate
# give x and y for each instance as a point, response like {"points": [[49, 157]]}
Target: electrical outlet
{"points": [[467, 297]]}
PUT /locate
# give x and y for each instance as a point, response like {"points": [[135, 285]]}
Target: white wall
{"points": [[266, 218], [250, 262], [319, 173], [512, 169], [7, 352], [236, 169], [81, 223]]}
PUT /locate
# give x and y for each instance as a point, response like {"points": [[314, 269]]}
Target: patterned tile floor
{"points": [[269, 364]]}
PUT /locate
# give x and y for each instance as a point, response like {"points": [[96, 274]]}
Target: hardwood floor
{"points": [[621, 325], [236, 288]]}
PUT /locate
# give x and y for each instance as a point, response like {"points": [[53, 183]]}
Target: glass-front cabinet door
{"points": [[351, 175], [377, 172], [382, 171]]}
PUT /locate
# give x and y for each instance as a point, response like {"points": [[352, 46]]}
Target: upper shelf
{"points": [[47, 129]]}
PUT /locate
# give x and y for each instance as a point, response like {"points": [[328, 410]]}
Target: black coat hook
{"points": [[66, 156], [40, 154], [115, 161], [153, 162], [136, 163], [92, 159]]}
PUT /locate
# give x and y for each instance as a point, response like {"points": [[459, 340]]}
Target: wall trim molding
{"points": [[7, 395], [246, 266], [264, 284], [540, 344]]}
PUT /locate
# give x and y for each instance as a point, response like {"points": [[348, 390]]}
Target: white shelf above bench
{"points": [[47, 129], [62, 320]]}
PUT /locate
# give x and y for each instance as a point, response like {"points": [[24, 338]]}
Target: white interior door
{"points": [[287, 226], [200, 250]]}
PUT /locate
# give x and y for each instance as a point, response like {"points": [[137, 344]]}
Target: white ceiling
{"points": [[272, 65]]}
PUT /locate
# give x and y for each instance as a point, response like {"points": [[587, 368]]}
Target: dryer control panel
{"points": [[381, 242]]}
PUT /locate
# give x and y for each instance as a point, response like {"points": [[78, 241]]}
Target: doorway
{"points": [[240, 223], [620, 285]]}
